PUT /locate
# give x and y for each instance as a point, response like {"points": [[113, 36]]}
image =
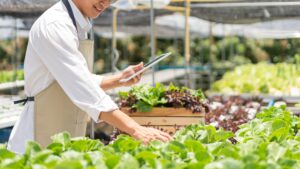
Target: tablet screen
{"points": [[154, 60], [147, 66]]}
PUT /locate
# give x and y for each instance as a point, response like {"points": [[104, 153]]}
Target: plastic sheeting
{"points": [[277, 29], [212, 11], [177, 21], [34, 8], [24, 8], [246, 12], [130, 4], [125, 31], [8, 27], [172, 26], [137, 22]]}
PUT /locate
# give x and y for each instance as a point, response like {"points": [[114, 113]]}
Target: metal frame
{"points": [[187, 52], [92, 123], [245, 4], [186, 10], [115, 55], [152, 36]]}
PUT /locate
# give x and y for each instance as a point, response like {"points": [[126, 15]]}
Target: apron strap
{"points": [[70, 11], [24, 101]]}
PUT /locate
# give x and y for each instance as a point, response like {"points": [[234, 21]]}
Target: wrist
{"points": [[118, 77], [132, 128], [115, 80]]}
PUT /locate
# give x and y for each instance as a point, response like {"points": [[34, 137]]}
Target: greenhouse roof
{"points": [[226, 12], [246, 12], [270, 14], [24, 8]]}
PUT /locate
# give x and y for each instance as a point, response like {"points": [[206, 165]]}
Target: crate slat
{"points": [[162, 112], [167, 120], [165, 128]]}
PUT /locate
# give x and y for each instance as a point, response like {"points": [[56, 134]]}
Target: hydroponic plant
{"points": [[270, 141], [143, 98], [263, 78]]}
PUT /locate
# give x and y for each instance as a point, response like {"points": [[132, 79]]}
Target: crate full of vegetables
{"points": [[165, 108]]}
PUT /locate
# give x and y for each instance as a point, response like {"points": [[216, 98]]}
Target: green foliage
{"points": [[9, 76], [271, 125], [270, 141], [3, 146], [226, 52], [148, 97], [275, 79]]}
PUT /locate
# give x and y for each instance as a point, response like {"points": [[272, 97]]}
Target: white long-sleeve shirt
{"points": [[52, 54]]}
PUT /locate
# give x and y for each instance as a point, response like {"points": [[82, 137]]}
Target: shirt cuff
{"points": [[105, 105], [97, 79]]}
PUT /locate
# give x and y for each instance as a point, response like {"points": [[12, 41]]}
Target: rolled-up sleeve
{"points": [[68, 66], [97, 78]]}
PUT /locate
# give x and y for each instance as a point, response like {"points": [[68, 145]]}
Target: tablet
{"points": [[147, 66]]}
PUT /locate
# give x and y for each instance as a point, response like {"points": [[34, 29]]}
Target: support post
{"points": [[152, 40], [92, 37], [187, 53], [114, 54]]}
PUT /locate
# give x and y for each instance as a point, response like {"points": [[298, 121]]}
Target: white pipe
{"points": [[244, 4], [152, 40]]}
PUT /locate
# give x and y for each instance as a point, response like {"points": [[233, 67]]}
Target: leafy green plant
{"points": [[275, 79], [271, 140], [9, 76], [143, 98]]}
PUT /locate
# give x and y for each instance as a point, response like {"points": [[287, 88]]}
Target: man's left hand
{"points": [[129, 71]]}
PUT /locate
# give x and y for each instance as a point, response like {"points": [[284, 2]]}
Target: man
{"points": [[60, 89]]}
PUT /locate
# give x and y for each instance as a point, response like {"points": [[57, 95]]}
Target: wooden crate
{"points": [[168, 119]]}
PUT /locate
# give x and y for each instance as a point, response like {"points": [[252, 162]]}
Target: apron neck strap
{"points": [[70, 12]]}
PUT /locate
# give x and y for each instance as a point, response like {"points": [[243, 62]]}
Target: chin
{"points": [[94, 15]]}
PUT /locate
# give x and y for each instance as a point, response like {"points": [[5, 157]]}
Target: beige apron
{"points": [[54, 112]]}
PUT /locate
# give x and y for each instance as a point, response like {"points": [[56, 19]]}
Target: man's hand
{"points": [[147, 134], [129, 71], [126, 124], [113, 81]]}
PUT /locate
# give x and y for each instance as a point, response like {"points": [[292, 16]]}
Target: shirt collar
{"points": [[81, 21]]}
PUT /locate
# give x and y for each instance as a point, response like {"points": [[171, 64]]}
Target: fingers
{"points": [[146, 135], [138, 78], [138, 66], [131, 70], [135, 68], [165, 135], [159, 135], [147, 139], [135, 79]]}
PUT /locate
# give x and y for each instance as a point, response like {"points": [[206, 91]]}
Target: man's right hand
{"points": [[126, 124], [147, 134]]}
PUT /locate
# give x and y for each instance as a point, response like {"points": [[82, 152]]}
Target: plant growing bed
{"points": [[269, 141], [280, 79], [230, 112], [266, 99]]}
